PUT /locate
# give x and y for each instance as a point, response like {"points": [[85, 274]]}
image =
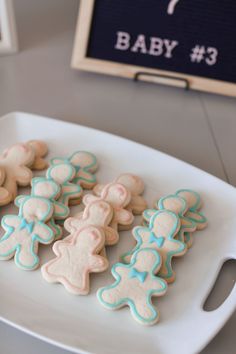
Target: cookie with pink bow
{"points": [[119, 198], [160, 235], [76, 259], [25, 231], [135, 285], [136, 187]]}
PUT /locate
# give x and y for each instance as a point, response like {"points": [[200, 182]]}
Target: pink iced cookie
{"points": [[98, 213], [16, 162], [136, 187], [118, 197], [40, 149], [4, 193], [135, 285], [76, 259]]}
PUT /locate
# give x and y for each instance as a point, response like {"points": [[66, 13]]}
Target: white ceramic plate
{"points": [[80, 324]]}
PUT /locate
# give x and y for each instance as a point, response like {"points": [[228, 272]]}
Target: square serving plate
{"points": [[79, 323]]}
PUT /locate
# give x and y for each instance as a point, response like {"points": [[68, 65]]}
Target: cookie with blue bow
{"points": [[135, 285], [161, 236], [24, 232], [50, 190], [178, 206]]}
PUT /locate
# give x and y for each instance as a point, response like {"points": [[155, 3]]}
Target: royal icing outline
{"points": [[200, 220], [72, 250], [140, 231], [87, 170], [74, 190], [32, 237], [127, 300]]}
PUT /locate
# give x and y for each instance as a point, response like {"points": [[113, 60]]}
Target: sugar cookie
{"points": [[98, 213], [118, 197], [76, 259], [160, 235], [24, 232], [135, 285], [64, 174], [136, 187], [85, 164], [40, 149], [194, 204]]}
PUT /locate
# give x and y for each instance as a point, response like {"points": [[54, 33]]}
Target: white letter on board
{"points": [[123, 41], [170, 45], [140, 44], [156, 47]]}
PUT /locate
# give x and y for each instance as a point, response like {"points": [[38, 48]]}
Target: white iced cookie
{"points": [[76, 259], [64, 174], [85, 165], [160, 235], [178, 206], [194, 203], [24, 232], [135, 285]]}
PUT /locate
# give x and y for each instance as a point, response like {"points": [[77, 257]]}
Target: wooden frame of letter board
{"points": [[82, 62]]}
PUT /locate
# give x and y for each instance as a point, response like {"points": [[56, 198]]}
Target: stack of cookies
{"points": [[146, 270], [83, 251]]}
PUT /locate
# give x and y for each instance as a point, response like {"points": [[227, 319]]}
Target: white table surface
{"points": [[195, 127]]}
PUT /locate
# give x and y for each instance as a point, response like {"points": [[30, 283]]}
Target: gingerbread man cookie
{"points": [[135, 285], [136, 187], [160, 235], [178, 206], [194, 204], [4, 193], [118, 197], [25, 231], [49, 189], [63, 174], [40, 149], [76, 259], [85, 164], [98, 213], [16, 162]]}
